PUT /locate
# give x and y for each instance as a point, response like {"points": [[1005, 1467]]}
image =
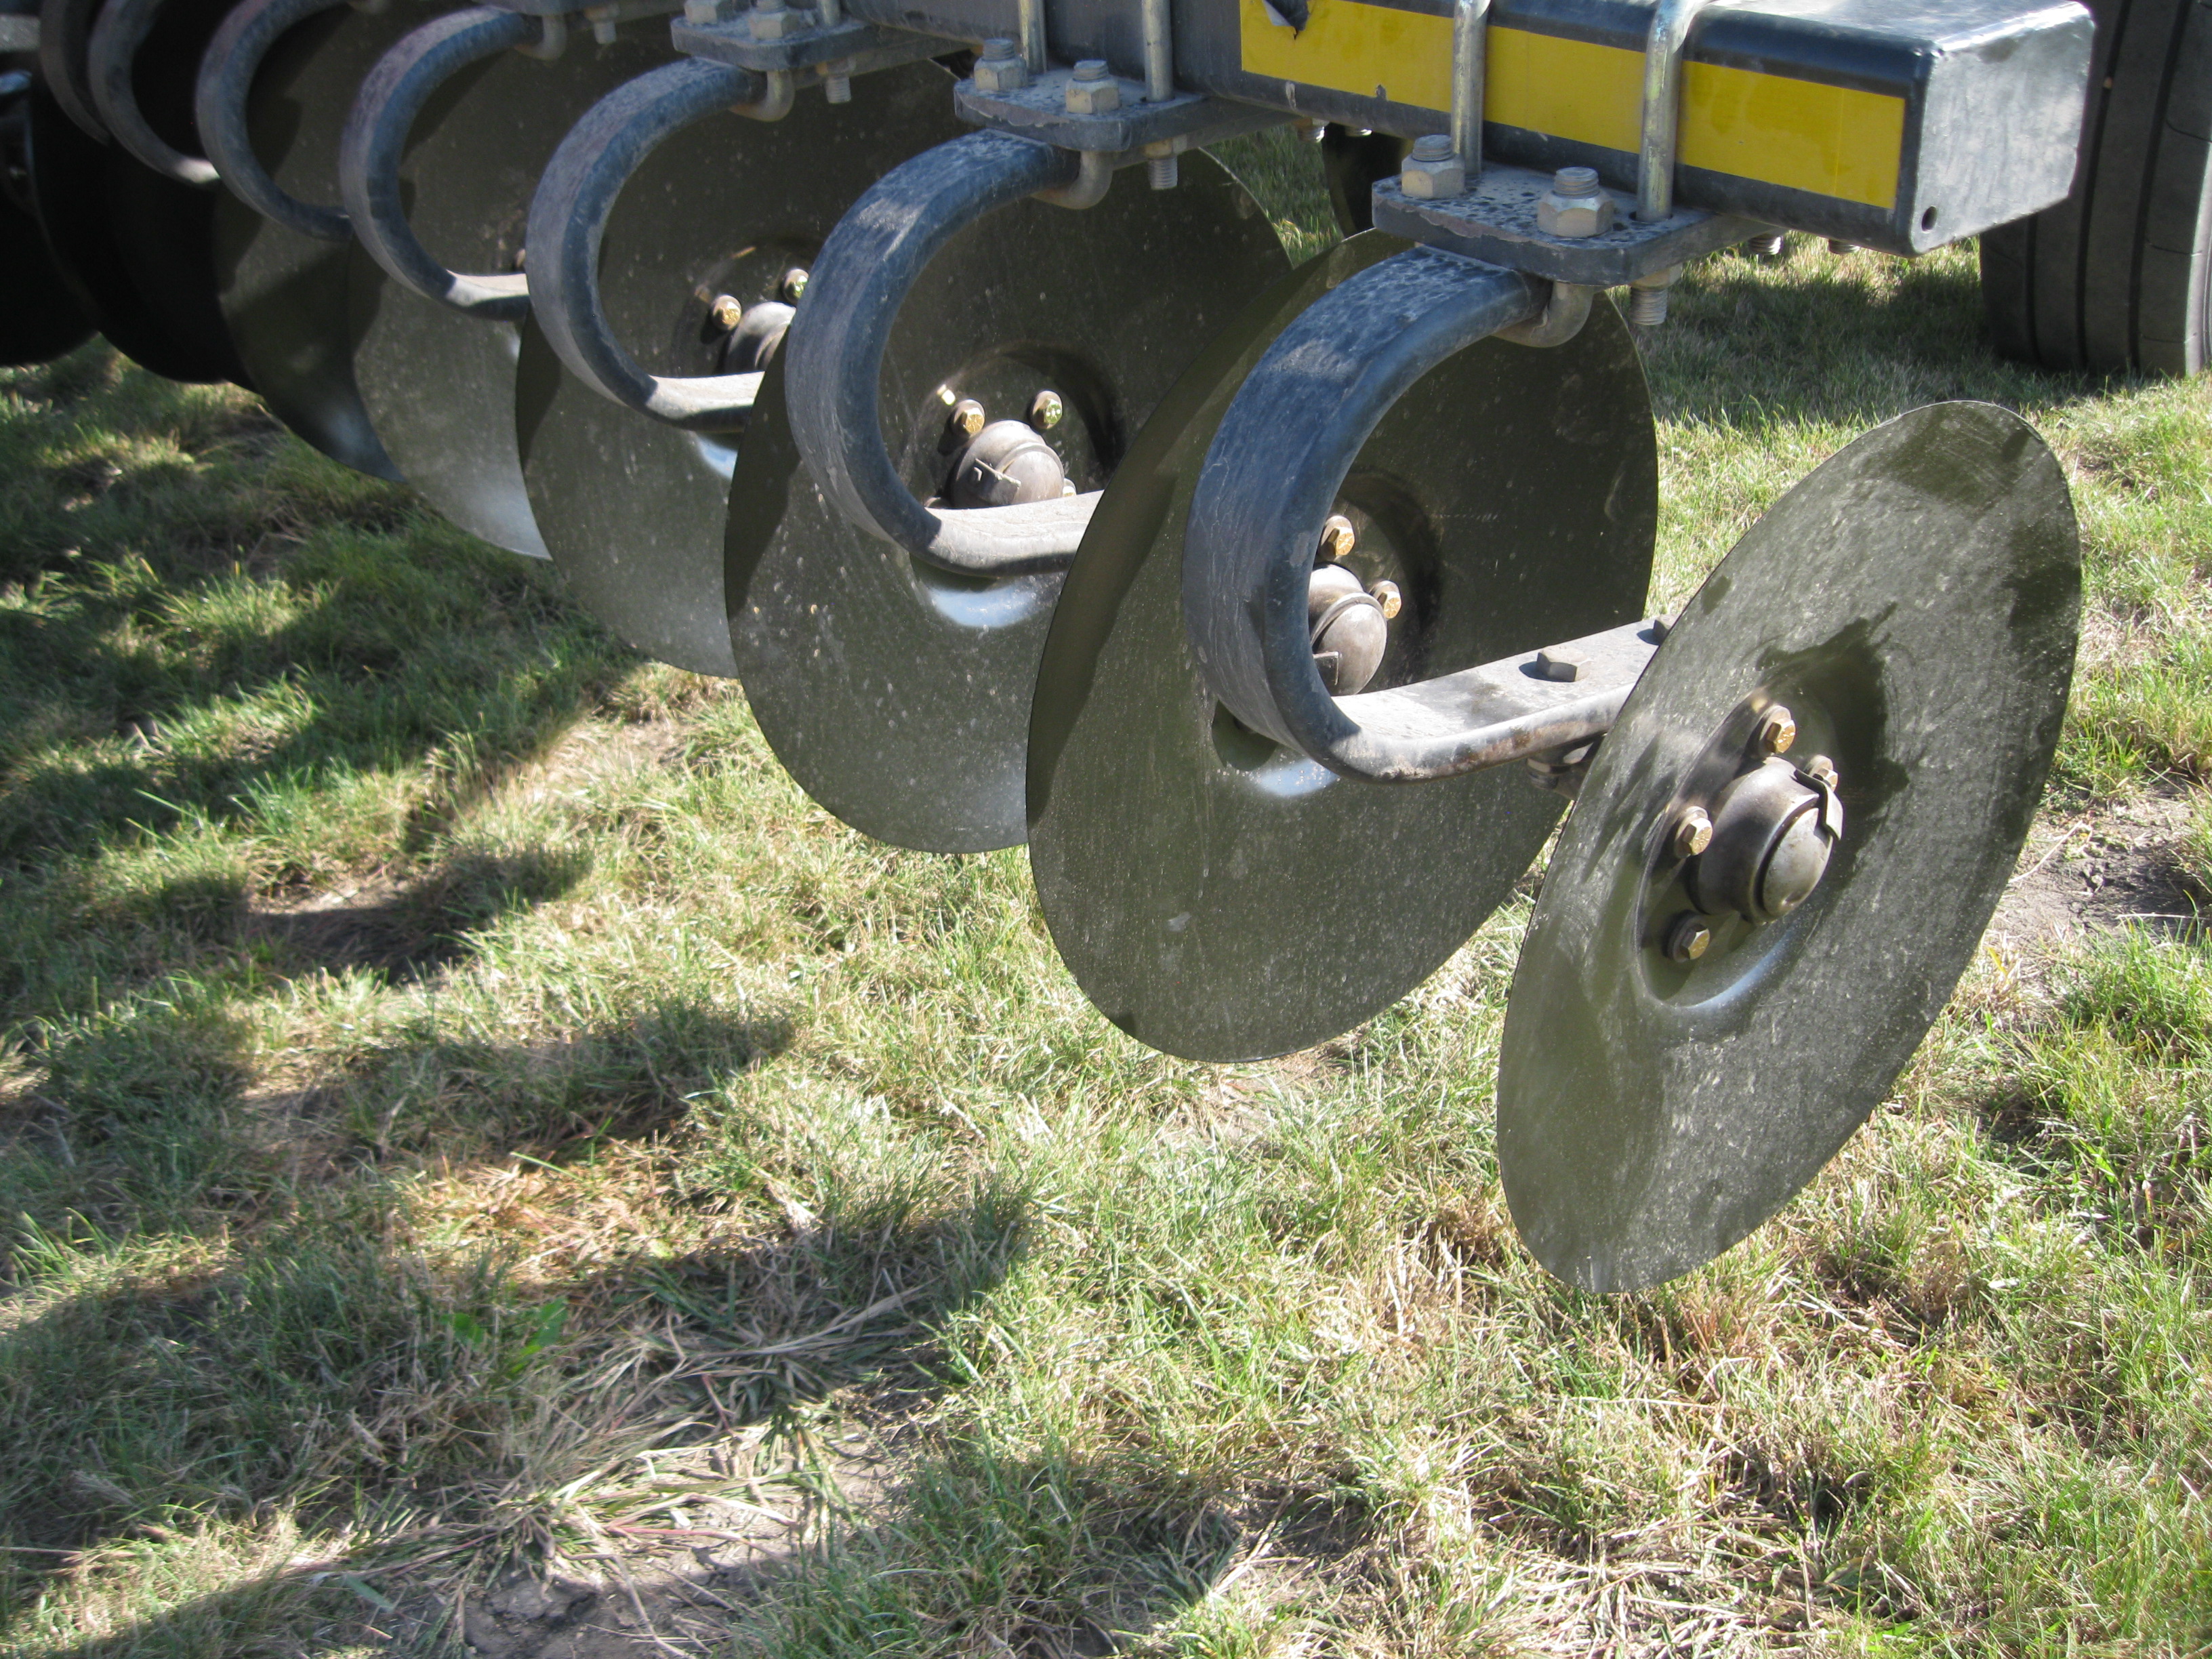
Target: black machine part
{"points": [[1678, 1059], [688, 206], [1219, 895], [40, 317], [1028, 354], [273, 93], [2119, 276]]}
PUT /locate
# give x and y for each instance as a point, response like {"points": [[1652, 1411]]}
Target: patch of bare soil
{"points": [[677, 1588], [2100, 871]]}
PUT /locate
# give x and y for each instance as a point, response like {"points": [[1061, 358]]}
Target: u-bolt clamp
{"points": [[1663, 51], [226, 82], [1269, 482], [374, 141], [113, 55], [569, 216], [836, 354]]}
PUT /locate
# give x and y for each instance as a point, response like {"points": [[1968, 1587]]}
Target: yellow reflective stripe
{"points": [[1803, 135]]}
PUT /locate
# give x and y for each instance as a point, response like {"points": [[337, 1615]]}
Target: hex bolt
{"points": [[1776, 731], [1433, 169], [1336, 538], [968, 417], [1688, 938], [1839, 247], [1092, 90], [794, 284], [1767, 247], [1558, 664], [1045, 411], [1819, 767], [836, 88], [726, 313], [1691, 832], [1000, 68], [1388, 596], [1576, 205], [1647, 298], [1163, 172]]}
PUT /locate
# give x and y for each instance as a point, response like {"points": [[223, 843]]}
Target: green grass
{"points": [[461, 1109]]}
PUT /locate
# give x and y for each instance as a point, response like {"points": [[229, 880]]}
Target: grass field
{"points": [[482, 1157]]}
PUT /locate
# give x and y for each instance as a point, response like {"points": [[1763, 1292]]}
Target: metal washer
{"points": [[899, 698], [1224, 899], [1915, 603]]}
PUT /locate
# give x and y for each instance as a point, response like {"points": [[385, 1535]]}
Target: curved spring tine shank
{"points": [[123, 27], [1272, 477], [64, 49], [375, 141], [836, 352], [568, 220], [219, 107]]}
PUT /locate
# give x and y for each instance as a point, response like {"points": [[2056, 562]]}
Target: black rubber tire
{"points": [[2119, 276]]}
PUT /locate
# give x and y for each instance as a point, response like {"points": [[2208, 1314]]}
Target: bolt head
{"points": [[1693, 832], [1388, 596], [1337, 539], [1095, 94], [1777, 729], [968, 417], [793, 285], [726, 313], [1561, 213], [1427, 179], [1821, 767], [1688, 937], [1046, 411]]}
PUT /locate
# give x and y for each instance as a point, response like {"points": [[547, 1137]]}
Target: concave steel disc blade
{"points": [[439, 385], [899, 695], [1914, 603], [1222, 898], [631, 510], [164, 228], [40, 317], [287, 295], [74, 186]]}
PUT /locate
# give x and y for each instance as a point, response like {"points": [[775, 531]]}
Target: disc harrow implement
{"points": [[926, 371]]}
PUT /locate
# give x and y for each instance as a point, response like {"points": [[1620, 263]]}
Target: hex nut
{"points": [[1046, 410], [726, 313], [794, 284], [1688, 937], [1000, 68], [1777, 729], [1388, 596], [1576, 205], [968, 417], [1430, 178], [701, 13], [1092, 90], [771, 20], [1823, 770]]}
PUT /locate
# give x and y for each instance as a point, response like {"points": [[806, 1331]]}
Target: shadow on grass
{"points": [[1868, 337]]}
